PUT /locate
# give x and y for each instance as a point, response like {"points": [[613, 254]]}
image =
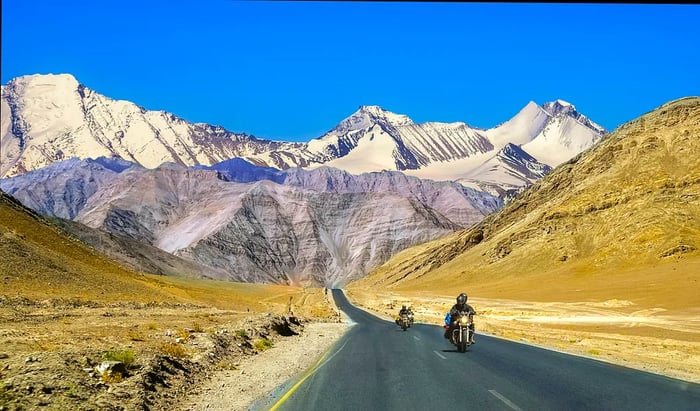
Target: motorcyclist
{"points": [[403, 311], [410, 314], [460, 308]]}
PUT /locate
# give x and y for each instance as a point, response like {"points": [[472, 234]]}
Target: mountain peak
{"points": [[379, 114], [371, 109], [559, 107]]}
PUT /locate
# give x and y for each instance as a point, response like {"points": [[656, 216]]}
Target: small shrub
{"points": [[242, 333], [197, 327], [174, 350], [152, 326], [72, 391], [226, 365], [263, 344], [594, 352], [126, 357], [112, 378]]}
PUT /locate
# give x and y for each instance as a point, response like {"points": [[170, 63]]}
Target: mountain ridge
{"points": [[47, 118]]}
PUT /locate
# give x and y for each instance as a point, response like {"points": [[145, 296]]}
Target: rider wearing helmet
{"points": [[404, 310], [456, 310]]}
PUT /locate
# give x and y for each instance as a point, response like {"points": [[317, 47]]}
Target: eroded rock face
{"points": [[263, 232], [319, 238], [322, 226]]}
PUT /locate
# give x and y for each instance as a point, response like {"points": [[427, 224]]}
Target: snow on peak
{"points": [[363, 119], [59, 81], [376, 113], [559, 107]]}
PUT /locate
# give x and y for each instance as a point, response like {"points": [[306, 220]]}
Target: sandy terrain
{"points": [[614, 331]]}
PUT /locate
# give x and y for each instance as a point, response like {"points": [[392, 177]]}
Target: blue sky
{"points": [[292, 70]]}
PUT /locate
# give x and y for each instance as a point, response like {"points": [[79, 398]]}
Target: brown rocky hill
{"points": [[621, 220]]}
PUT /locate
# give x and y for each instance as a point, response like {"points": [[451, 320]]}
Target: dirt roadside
{"points": [[64, 354], [256, 377]]}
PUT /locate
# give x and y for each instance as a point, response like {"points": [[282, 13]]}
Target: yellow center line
{"points": [[320, 363]]}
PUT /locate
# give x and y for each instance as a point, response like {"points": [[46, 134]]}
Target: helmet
{"points": [[462, 299], [403, 307]]}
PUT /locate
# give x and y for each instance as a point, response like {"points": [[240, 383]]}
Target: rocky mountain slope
{"points": [[321, 226], [40, 260], [48, 118]]}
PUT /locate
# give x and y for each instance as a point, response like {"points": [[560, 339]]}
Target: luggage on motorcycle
{"points": [[448, 318]]}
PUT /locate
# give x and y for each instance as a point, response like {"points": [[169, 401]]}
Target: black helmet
{"points": [[462, 299], [403, 307]]}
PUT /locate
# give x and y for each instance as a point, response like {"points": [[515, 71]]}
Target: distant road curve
{"points": [[377, 366]]}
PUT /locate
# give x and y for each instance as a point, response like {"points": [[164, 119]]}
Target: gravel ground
{"points": [[257, 377]]}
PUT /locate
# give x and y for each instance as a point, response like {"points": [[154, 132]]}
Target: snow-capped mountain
{"points": [[566, 134], [507, 173], [321, 226], [47, 118], [374, 139], [525, 148]]}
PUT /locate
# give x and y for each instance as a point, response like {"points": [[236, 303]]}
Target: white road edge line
{"points": [[505, 400], [416, 338], [440, 355]]}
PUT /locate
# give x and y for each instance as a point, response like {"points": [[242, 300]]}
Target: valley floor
{"points": [[195, 357]]}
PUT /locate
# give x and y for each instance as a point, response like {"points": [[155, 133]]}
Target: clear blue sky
{"points": [[292, 70]]}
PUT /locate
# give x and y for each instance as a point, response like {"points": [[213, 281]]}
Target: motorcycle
{"points": [[404, 321], [462, 331]]}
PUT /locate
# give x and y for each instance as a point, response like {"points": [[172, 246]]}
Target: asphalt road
{"points": [[377, 366]]}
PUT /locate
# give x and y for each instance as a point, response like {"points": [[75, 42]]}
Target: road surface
{"points": [[377, 366]]}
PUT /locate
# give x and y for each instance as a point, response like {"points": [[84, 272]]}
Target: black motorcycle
{"points": [[462, 330]]}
